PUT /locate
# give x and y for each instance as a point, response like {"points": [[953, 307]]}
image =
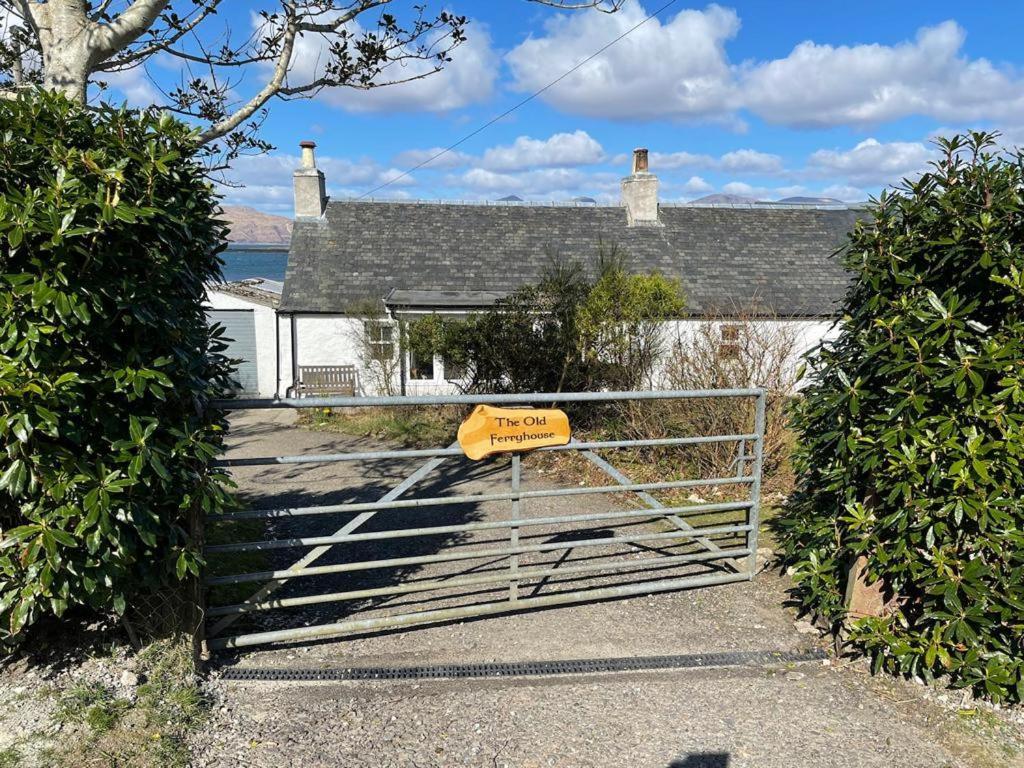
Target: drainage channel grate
{"points": [[528, 668]]}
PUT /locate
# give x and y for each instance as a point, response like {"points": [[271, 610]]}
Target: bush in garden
{"points": [[107, 234], [568, 332], [912, 446]]}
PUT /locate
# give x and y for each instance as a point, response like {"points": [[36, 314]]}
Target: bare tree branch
{"points": [[273, 85], [129, 59], [605, 6], [127, 27], [67, 44]]}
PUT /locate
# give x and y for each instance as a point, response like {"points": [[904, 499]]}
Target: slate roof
{"points": [[258, 289], [771, 259]]}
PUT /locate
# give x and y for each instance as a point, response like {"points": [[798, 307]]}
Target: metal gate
{"points": [[539, 560]]}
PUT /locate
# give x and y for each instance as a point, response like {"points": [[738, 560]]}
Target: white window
{"points": [[729, 345], [421, 369], [380, 337]]}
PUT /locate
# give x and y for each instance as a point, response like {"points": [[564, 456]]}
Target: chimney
{"points": [[640, 193], [310, 192]]}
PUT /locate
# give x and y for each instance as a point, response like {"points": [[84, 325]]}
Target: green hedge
{"points": [[107, 234], [911, 428]]}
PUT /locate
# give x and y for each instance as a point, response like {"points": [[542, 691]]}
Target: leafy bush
{"points": [[107, 234], [911, 429], [567, 333], [746, 351]]}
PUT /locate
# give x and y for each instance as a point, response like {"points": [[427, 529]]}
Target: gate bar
{"points": [[423, 453], [396, 562], [652, 502], [534, 397], [513, 586], [515, 523], [755, 487], [647, 563], [316, 554], [434, 501], [485, 609]]}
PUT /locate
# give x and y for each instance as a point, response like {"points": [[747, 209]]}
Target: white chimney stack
{"points": [[640, 193], [310, 190]]}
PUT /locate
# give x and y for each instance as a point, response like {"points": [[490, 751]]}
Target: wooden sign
{"points": [[488, 430]]}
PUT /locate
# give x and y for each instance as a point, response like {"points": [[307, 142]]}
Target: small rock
{"points": [[805, 628], [129, 679]]}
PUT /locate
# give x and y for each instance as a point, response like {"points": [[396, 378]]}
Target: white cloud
{"points": [[737, 161], [467, 79], [866, 84], [742, 188], [411, 158], [542, 183], [695, 185], [265, 181], [483, 180], [678, 68], [750, 161], [846, 193], [134, 86], [673, 160], [872, 162], [561, 150]]}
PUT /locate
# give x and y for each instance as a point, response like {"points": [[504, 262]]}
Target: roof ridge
{"points": [[758, 205]]}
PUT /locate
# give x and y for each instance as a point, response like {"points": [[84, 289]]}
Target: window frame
{"points": [[374, 335]]}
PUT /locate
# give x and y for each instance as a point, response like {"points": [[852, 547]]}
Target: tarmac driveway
{"points": [[810, 714]]}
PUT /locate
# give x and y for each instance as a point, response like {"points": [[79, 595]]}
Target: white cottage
{"points": [[772, 262]]}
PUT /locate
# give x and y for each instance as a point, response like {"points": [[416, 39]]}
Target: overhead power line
{"points": [[521, 103]]}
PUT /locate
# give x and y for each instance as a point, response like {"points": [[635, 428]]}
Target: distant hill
{"points": [[811, 200], [722, 199], [251, 226]]}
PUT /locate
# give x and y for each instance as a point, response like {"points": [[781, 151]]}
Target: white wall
{"points": [[265, 342], [805, 334], [332, 340]]}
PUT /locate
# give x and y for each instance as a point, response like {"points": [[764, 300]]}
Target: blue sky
{"points": [[766, 99]]}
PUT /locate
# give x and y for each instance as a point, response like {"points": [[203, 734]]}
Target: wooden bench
{"points": [[317, 380]]}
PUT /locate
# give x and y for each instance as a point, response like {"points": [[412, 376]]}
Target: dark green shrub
{"points": [[107, 234], [911, 428], [569, 332]]}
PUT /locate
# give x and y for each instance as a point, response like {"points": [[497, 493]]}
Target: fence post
{"points": [[754, 518], [513, 587], [195, 595]]}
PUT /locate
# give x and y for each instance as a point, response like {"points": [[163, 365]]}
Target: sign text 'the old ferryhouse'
{"points": [[488, 430]]}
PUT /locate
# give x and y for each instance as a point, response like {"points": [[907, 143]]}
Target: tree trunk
{"points": [[67, 72], [66, 38]]}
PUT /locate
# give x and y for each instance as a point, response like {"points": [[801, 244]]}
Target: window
{"points": [[421, 369], [729, 345], [380, 338], [454, 371]]}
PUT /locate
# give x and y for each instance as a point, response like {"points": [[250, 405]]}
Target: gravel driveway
{"points": [[804, 715]]}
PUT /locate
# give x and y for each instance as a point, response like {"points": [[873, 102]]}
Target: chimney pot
{"points": [[640, 160], [308, 155]]}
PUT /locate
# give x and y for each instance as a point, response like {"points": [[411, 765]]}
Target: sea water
{"points": [[241, 263]]}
